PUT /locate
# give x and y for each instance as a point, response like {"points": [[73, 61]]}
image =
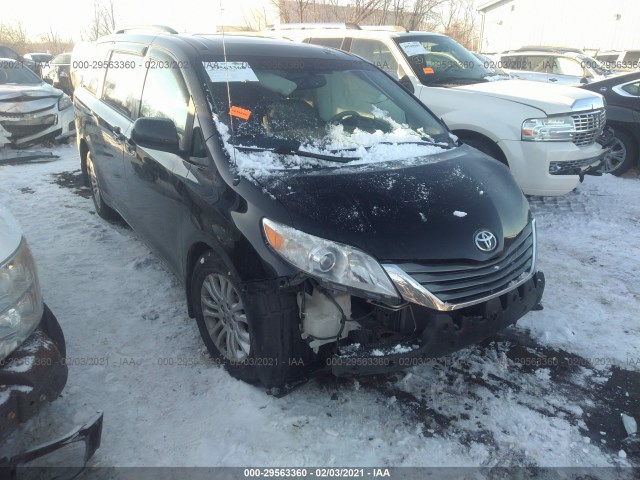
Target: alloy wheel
{"points": [[225, 317], [616, 156]]}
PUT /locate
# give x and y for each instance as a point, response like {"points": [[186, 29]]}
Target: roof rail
{"points": [[309, 26], [384, 28], [148, 28], [549, 48]]}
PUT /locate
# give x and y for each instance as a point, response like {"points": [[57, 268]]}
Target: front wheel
{"points": [[102, 209], [254, 332], [622, 155]]}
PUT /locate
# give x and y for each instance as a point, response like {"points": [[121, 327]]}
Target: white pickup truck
{"points": [[546, 134]]}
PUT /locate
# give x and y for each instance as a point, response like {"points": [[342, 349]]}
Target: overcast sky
{"points": [[70, 17]]}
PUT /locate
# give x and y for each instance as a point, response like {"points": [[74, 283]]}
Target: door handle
{"points": [[553, 79]]}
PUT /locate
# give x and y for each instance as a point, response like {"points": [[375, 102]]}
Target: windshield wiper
{"points": [[283, 150], [411, 142]]}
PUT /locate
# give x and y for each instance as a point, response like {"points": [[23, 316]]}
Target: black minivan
{"points": [[317, 213]]}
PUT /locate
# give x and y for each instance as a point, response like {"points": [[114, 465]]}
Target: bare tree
{"points": [[103, 21], [457, 19], [255, 20], [293, 10], [411, 14], [14, 35]]}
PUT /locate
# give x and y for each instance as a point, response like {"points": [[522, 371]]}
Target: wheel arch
{"points": [[83, 149], [635, 137], [497, 151], [242, 263]]}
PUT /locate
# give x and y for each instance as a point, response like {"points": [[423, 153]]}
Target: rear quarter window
{"points": [[632, 89]]}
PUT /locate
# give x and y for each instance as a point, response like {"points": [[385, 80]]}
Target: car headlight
{"points": [[64, 102], [21, 305], [326, 260], [551, 129]]}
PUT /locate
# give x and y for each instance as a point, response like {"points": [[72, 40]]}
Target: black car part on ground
{"points": [[32, 374], [74, 450]]}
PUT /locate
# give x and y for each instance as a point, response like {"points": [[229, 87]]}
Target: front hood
{"points": [[424, 209], [10, 234], [552, 99], [27, 98]]}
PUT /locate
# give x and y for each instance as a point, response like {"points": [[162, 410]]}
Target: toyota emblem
{"points": [[486, 241]]}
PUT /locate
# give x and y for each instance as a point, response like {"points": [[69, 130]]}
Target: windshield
{"points": [[63, 58], [15, 73], [339, 109], [436, 59]]}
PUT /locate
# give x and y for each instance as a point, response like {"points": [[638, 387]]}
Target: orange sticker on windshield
{"points": [[240, 113], [428, 71]]}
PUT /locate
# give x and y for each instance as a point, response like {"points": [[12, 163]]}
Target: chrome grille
{"points": [[467, 283], [589, 126]]}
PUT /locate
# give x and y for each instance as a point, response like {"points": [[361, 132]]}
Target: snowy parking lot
{"points": [[547, 393]]}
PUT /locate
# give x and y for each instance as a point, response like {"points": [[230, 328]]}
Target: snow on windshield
{"points": [[401, 143]]}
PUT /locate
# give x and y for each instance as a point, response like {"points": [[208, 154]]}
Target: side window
{"points": [[633, 89], [166, 96], [568, 66], [377, 53], [327, 42], [122, 83], [539, 63], [512, 63]]}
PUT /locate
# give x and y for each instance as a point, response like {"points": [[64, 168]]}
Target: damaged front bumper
{"points": [[443, 333], [32, 374], [24, 130]]}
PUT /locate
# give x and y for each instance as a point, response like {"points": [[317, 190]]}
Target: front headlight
{"points": [[64, 102], [551, 129], [326, 260], [21, 305]]}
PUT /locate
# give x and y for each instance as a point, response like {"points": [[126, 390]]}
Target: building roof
{"points": [[489, 4]]}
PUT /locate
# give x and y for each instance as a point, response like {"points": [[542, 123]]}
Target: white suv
{"points": [[545, 133], [556, 66]]}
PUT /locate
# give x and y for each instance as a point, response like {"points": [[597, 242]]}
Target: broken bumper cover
{"points": [[447, 332], [578, 167], [33, 128], [33, 373]]}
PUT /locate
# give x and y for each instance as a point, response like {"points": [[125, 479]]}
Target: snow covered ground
{"points": [[546, 393]]}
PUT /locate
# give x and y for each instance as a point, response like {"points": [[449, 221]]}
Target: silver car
{"points": [[31, 110]]}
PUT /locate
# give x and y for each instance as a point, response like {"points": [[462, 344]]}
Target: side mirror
{"points": [[406, 83], [48, 80], [584, 80], [155, 133]]}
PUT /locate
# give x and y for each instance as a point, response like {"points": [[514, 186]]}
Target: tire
{"points": [[266, 321], [102, 209], [623, 155], [485, 146]]}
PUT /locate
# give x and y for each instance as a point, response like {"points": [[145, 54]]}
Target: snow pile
{"points": [[172, 406], [367, 147]]}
